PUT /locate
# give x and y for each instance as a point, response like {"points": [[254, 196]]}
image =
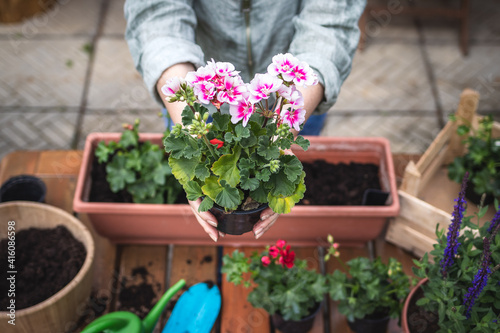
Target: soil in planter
{"points": [[46, 260], [419, 320], [338, 184], [101, 192]]}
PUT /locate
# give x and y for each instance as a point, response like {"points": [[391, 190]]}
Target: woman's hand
{"points": [[207, 221], [267, 219]]}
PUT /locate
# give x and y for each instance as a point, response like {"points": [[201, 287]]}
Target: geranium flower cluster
{"points": [[218, 83], [280, 252]]}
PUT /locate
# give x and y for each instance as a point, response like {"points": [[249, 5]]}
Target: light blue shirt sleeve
{"points": [[160, 33]]}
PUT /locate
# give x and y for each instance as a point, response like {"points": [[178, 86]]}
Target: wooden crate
{"points": [[426, 194]]}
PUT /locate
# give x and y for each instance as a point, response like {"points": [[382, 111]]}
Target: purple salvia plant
{"points": [[480, 279], [495, 222], [454, 229]]}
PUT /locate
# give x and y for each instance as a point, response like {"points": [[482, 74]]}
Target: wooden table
{"points": [[120, 268]]}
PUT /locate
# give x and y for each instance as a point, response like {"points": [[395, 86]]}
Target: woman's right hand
{"points": [[207, 220]]}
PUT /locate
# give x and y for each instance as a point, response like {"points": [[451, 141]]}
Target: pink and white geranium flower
{"points": [[171, 87], [242, 111], [204, 91], [292, 70], [293, 116], [262, 86], [233, 89]]}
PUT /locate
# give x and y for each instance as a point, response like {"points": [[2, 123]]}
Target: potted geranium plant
{"points": [[459, 287], [137, 171], [282, 285], [238, 162], [481, 161], [369, 292]]}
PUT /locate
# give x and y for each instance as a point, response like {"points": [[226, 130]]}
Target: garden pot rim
{"points": [[404, 316], [87, 264]]}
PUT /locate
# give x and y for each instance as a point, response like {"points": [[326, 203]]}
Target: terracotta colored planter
{"points": [[61, 311], [305, 225], [404, 315]]}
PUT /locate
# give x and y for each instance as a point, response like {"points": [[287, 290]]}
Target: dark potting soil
{"points": [[101, 192], [338, 184], [138, 292], [46, 260], [419, 320]]}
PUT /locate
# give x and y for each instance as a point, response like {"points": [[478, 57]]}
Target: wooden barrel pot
{"points": [[60, 311]]}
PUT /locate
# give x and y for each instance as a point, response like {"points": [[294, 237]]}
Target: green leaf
{"points": [[129, 139], [102, 152], [206, 204], [161, 172], [183, 168], [283, 205], [266, 149], [212, 187], [202, 172], [259, 194], [142, 189], [248, 183], [226, 167], [292, 165], [229, 197], [193, 190], [179, 147], [302, 142], [263, 175], [134, 160], [281, 185], [220, 121], [117, 173]]}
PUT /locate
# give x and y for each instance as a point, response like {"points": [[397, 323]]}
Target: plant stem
{"points": [[209, 145]]}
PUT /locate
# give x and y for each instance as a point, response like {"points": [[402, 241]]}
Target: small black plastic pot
{"points": [[303, 325], [236, 222], [369, 325], [23, 188], [475, 198]]}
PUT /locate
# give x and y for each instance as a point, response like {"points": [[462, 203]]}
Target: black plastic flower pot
{"points": [[236, 222], [295, 326], [475, 198], [369, 325], [23, 188]]}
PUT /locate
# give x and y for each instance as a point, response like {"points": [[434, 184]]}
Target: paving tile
{"points": [[115, 83], [409, 133], [387, 77], [112, 120], [115, 23], [42, 73], [480, 70], [25, 128], [64, 18]]}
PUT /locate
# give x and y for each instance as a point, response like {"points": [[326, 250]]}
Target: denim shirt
{"points": [[323, 33]]}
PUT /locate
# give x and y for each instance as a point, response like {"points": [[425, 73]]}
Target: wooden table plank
{"points": [[194, 264], [237, 314], [141, 282], [59, 162], [18, 163]]}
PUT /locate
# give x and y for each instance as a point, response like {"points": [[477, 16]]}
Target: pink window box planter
{"points": [[305, 225]]}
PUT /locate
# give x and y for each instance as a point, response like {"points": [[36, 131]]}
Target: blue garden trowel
{"points": [[196, 310], [127, 322]]}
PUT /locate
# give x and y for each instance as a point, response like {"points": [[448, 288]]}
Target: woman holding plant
{"points": [[171, 38]]}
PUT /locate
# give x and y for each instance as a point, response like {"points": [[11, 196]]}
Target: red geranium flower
{"points": [[287, 257], [280, 243], [217, 142], [265, 261], [273, 251]]}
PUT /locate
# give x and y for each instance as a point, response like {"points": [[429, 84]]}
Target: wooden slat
{"points": [[151, 258], [60, 191], [194, 264], [238, 315], [18, 163], [338, 322], [59, 162]]}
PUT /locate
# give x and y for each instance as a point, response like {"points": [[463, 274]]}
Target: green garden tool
{"points": [[127, 322]]}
